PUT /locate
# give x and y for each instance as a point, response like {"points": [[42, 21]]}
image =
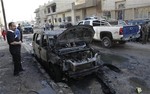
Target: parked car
{"points": [[65, 25], [27, 28], [109, 34], [67, 53]]}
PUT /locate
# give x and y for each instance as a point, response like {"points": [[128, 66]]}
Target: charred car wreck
{"points": [[67, 53]]}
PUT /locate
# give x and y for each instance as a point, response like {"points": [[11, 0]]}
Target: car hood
{"points": [[76, 33]]}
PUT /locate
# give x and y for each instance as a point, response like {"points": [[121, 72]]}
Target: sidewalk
{"points": [[31, 79]]}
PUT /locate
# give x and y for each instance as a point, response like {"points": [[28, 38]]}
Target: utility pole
{"points": [[3, 9]]}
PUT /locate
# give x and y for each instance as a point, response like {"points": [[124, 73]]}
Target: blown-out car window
{"points": [[44, 41], [34, 37], [51, 40], [38, 38]]}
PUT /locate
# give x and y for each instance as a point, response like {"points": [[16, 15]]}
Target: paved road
{"points": [[133, 59]]}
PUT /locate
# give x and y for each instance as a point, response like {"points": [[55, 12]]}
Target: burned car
{"points": [[67, 53]]}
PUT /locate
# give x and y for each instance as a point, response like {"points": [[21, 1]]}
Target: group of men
{"points": [[47, 26]]}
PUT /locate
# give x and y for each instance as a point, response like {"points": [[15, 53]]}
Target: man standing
{"points": [[47, 26], [145, 31], [14, 48], [4, 34], [52, 27], [20, 29]]}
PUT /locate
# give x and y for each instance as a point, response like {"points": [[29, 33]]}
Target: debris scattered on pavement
{"points": [[139, 90]]}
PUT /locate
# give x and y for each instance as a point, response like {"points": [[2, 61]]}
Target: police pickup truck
{"points": [[27, 28], [109, 34]]}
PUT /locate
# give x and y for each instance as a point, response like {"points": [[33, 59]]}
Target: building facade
{"points": [[55, 12], [87, 8], [126, 9], [58, 11], [61, 11], [41, 15]]}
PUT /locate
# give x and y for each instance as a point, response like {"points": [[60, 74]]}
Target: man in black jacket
{"points": [[14, 48]]}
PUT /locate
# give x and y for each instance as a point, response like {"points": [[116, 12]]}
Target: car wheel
{"points": [[55, 72], [106, 42]]}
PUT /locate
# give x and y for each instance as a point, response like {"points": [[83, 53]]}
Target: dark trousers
{"points": [[144, 38], [16, 56]]}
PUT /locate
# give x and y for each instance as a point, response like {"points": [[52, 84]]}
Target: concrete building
{"points": [[126, 9], [59, 11], [87, 8], [41, 15], [55, 12]]}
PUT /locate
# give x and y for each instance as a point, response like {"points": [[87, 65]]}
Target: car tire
{"points": [[106, 42], [55, 73]]}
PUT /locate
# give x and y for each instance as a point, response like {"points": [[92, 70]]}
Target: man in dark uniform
{"points": [[14, 48], [145, 31], [20, 29], [148, 32]]}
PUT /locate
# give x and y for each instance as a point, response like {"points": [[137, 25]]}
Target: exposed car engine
{"points": [[77, 57]]}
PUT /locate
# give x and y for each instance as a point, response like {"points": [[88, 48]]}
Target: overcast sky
{"points": [[18, 10]]}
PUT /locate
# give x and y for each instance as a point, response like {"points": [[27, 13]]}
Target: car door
{"points": [[37, 47], [44, 48]]}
